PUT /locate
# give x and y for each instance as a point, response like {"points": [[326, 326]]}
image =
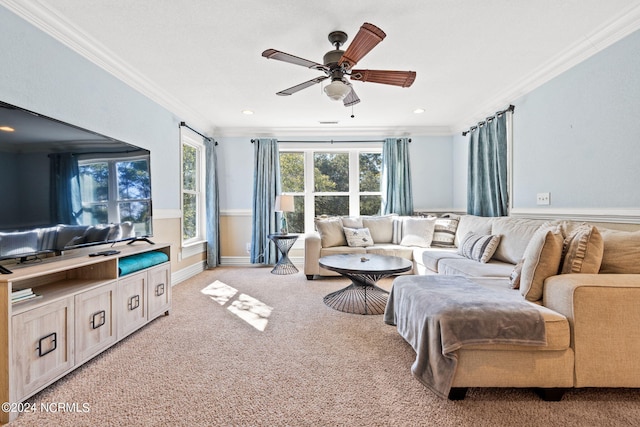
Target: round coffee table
{"points": [[364, 270]]}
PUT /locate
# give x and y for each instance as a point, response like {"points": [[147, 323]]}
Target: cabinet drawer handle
{"points": [[101, 316], [160, 289], [54, 343], [134, 302]]}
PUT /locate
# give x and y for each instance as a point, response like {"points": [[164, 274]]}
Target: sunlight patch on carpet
{"points": [[252, 311], [220, 292], [249, 309]]}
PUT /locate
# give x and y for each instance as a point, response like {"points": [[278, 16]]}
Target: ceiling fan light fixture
{"points": [[337, 90]]}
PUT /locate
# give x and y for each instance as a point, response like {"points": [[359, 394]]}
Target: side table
{"points": [[284, 242]]}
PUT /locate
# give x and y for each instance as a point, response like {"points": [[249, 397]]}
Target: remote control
{"points": [[105, 253], [5, 270]]}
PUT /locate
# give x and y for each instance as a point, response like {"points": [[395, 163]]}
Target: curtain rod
{"points": [[199, 133], [488, 119], [332, 141]]}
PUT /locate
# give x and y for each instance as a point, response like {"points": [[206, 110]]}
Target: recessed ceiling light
{"points": [[247, 112], [7, 128], [418, 110]]}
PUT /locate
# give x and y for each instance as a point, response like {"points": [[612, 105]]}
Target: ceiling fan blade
{"points": [[367, 38], [301, 86], [395, 78], [351, 98], [285, 57]]}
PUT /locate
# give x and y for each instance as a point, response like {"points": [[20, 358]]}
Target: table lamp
{"points": [[284, 204]]}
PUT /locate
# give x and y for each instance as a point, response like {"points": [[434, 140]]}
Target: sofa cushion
{"points": [[444, 232], [381, 227], [515, 234], [582, 251], [431, 256], [478, 247], [417, 232], [339, 250], [331, 233], [390, 249], [472, 223], [352, 222], [541, 260], [358, 237], [470, 268], [621, 252]]}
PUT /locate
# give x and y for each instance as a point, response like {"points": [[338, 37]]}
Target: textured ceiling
{"points": [[201, 58]]}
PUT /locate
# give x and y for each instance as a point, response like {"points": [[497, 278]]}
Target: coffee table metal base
{"points": [[361, 297]]}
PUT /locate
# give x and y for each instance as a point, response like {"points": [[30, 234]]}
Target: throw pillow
{"points": [[621, 252], [358, 237], [582, 251], [331, 233], [381, 227], [417, 232], [351, 222], [541, 260], [479, 247], [514, 277], [444, 232]]}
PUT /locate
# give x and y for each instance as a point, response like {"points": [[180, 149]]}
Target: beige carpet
{"points": [[203, 365]]}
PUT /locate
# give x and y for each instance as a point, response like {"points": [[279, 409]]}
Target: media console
{"points": [[83, 306]]}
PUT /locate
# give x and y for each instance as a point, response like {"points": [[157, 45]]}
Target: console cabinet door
{"points": [[158, 290], [94, 321], [42, 346], [132, 307]]}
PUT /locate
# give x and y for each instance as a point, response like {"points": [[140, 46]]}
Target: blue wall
{"points": [[40, 74], [578, 135]]}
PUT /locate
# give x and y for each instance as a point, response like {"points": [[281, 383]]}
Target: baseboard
{"points": [[188, 272], [245, 261]]}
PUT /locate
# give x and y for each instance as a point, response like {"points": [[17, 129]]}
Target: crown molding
{"points": [[56, 26], [607, 34]]}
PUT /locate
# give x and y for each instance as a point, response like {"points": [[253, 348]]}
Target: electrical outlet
{"points": [[248, 247], [543, 199]]}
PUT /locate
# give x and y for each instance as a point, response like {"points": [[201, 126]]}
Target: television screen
{"points": [[64, 187]]}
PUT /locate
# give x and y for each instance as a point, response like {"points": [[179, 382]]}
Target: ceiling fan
{"points": [[337, 64]]}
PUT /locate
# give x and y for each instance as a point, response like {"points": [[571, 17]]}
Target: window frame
{"points": [[193, 141], [354, 193]]}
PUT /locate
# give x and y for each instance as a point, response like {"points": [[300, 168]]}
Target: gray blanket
{"points": [[438, 315]]}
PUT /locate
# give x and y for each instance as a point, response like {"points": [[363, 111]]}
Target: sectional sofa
{"points": [[583, 279]]}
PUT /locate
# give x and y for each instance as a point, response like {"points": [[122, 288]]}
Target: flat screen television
{"points": [[63, 187]]}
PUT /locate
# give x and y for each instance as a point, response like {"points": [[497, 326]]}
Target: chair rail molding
{"points": [[614, 215]]}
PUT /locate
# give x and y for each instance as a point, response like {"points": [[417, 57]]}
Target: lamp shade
{"points": [[337, 90], [284, 203]]}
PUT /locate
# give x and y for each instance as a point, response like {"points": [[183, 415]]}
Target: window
{"points": [[116, 190], [192, 190], [330, 182]]}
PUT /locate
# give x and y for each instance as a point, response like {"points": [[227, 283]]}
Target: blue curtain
{"points": [[212, 204], [266, 186], [397, 195], [487, 193], [65, 199]]}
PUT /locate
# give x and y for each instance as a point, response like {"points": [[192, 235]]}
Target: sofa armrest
{"points": [[312, 246], [603, 314]]}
